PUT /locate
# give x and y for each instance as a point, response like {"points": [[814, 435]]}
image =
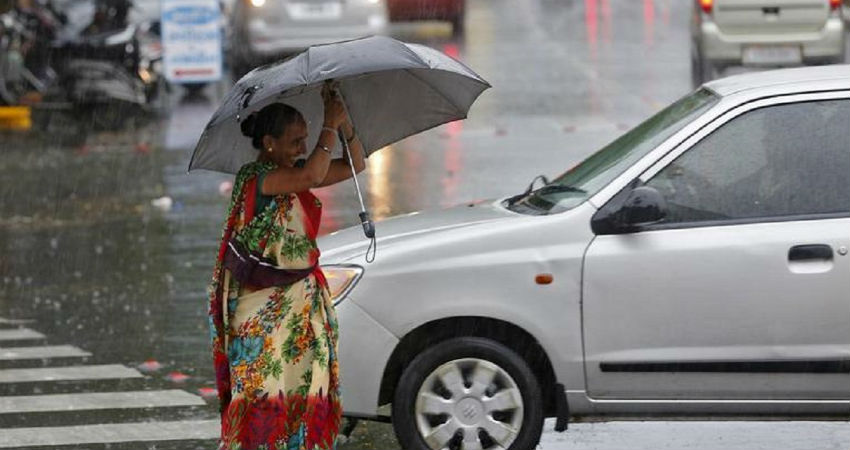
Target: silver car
{"points": [[697, 265], [265, 30], [764, 33]]}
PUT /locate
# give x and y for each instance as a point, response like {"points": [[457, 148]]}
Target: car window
{"points": [[774, 162]]}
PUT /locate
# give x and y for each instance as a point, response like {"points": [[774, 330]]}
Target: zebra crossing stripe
{"points": [[42, 374], [98, 400], [49, 351], [19, 334], [5, 321], [109, 433]]}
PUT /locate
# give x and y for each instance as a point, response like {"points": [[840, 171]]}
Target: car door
{"points": [[743, 290]]}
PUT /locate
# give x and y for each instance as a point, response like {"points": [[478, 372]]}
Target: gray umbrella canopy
{"points": [[392, 90]]}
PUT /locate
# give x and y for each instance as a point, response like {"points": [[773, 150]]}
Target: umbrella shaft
{"points": [[353, 172]]}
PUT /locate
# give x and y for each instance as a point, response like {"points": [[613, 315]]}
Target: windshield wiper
{"points": [[554, 188], [528, 190]]}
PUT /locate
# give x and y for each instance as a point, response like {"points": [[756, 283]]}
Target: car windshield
{"points": [[587, 178]]}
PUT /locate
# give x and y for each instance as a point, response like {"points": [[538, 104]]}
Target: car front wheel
{"points": [[468, 393]]}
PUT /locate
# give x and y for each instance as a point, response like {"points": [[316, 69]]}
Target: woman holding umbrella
{"points": [[276, 355], [273, 326]]}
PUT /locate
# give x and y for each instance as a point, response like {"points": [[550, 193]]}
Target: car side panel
{"points": [[718, 313]]}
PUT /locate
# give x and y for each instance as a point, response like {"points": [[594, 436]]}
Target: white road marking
{"points": [[49, 351], [703, 435], [98, 400], [109, 433], [101, 372], [5, 321], [19, 334]]}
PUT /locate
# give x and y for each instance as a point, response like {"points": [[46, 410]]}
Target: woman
{"points": [[272, 321]]}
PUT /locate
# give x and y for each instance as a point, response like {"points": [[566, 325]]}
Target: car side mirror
{"points": [[636, 207]]}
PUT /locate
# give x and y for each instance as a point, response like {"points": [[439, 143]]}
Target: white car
{"points": [[263, 31], [764, 33], [697, 265]]}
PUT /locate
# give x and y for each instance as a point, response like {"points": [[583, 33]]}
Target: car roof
{"points": [[796, 79]]}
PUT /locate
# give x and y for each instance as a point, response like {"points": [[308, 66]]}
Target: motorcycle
{"points": [[113, 60], [26, 31]]}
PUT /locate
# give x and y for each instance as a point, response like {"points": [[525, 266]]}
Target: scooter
{"points": [[25, 51], [114, 61]]}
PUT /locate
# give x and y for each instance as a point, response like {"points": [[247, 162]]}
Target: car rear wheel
{"points": [[468, 393], [702, 70], [457, 25]]}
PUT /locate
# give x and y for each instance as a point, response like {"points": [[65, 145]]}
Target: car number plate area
{"points": [[760, 55], [315, 11]]}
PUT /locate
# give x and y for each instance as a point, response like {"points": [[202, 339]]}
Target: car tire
{"points": [[436, 396], [457, 25], [194, 89], [702, 70]]}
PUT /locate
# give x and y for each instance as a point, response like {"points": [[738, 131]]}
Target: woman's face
{"points": [[287, 148]]}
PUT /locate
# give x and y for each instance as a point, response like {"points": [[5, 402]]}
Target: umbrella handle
{"points": [[365, 220], [368, 225]]}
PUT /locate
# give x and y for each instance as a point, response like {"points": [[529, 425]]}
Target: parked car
{"points": [[453, 11], [764, 33], [697, 265], [263, 31]]}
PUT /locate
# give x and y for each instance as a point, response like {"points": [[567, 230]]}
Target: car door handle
{"points": [[818, 252]]}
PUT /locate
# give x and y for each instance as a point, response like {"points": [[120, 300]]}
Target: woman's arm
{"points": [[340, 168]]}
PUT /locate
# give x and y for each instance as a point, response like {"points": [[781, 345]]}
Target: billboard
{"points": [[191, 40]]}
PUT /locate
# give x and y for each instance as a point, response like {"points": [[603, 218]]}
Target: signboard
{"points": [[191, 40]]}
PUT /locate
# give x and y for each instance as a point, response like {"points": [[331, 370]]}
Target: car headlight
{"points": [[341, 279]]}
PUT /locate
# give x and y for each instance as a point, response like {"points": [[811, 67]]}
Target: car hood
{"points": [[349, 243]]}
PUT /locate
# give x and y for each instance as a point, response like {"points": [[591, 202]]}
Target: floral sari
{"points": [[274, 348]]}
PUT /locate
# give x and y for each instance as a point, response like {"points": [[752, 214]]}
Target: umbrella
{"points": [[392, 90]]}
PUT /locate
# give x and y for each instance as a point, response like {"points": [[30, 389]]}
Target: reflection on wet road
{"points": [[108, 243]]}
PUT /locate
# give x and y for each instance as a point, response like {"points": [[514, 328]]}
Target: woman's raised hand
{"points": [[334, 108]]}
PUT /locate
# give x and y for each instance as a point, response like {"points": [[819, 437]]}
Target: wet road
{"points": [[108, 243]]}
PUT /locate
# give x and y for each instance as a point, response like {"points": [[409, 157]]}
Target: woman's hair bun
{"points": [[272, 120], [249, 125]]}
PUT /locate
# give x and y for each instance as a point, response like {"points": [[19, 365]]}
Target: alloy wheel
{"points": [[469, 404]]}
